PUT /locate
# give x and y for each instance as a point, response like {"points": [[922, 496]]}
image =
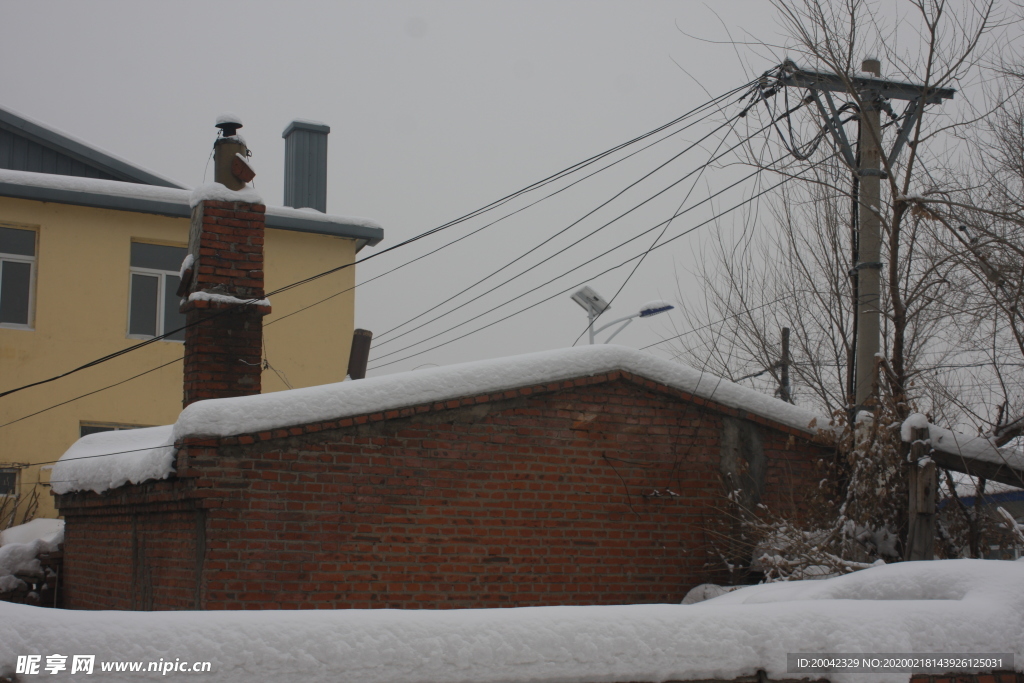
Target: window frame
{"points": [[161, 295], [16, 471], [31, 261], [106, 426]]}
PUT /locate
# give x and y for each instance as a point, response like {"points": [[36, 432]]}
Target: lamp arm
{"points": [[617, 320], [628, 321]]}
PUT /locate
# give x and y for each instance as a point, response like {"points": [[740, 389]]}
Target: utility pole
{"points": [[869, 237], [873, 94]]}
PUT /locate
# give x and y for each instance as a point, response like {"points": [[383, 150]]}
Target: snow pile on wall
{"points": [[950, 606], [225, 299], [245, 414], [20, 546], [219, 193], [106, 460], [955, 443], [30, 531], [145, 453]]}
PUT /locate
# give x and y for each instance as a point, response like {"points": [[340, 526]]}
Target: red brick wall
{"points": [[537, 496], [138, 549], [224, 342]]}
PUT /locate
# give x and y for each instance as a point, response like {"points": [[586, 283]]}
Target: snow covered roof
{"points": [[108, 460], [947, 606], [975, 455], [68, 145], [20, 547], [168, 201], [79, 469]]}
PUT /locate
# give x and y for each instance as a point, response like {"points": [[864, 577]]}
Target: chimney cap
{"points": [[306, 124], [229, 123]]}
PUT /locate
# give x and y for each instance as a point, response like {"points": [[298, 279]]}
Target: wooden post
{"points": [[784, 391], [922, 487], [360, 353]]}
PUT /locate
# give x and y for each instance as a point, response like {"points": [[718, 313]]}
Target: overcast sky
{"points": [[436, 108]]}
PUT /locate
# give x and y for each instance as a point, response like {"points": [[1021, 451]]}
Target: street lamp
{"points": [[595, 305]]}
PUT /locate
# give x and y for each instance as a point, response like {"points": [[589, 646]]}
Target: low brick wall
{"points": [[591, 491]]}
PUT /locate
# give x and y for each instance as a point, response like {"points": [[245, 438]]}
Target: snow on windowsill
{"points": [[945, 606]]}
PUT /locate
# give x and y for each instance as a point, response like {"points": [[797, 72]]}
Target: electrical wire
{"points": [[718, 322], [657, 239], [470, 234], [697, 170], [666, 243], [90, 393], [575, 268], [564, 172]]}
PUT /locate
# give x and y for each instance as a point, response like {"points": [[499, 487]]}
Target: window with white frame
{"points": [[17, 275], [153, 304], [8, 481]]}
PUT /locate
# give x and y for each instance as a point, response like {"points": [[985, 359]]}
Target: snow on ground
{"points": [[950, 606], [246, 414], [20, 545], [107, 460]]}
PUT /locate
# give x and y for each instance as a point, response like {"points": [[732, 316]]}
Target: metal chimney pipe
{"points": [[305, 164], [225, 149]]}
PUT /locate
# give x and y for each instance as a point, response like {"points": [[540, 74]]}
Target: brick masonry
{"points": [[223, 343], [599, 490]]}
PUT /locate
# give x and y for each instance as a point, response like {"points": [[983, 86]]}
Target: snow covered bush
{"points": [[858, 515]]}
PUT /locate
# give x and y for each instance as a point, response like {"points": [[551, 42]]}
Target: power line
{"points": [[546, 181], [549, 239], [564, 172], [570, 246], [717, 322], [667, 242], [109, 386], [470, 234], [575, 268], [657, 239]]}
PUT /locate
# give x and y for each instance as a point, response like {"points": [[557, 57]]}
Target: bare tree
{"points": [[950, 298]]}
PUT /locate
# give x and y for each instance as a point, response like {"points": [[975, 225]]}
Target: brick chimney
{"points": [[224, 337]]}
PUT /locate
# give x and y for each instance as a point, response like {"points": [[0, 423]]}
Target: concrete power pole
{"points": [[869, 238], [874, 93]]}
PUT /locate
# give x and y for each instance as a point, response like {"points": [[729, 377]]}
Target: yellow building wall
{"points": [[81, 313]]}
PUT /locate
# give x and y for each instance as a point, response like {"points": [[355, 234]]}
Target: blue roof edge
{"points": [[369, 235]]}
